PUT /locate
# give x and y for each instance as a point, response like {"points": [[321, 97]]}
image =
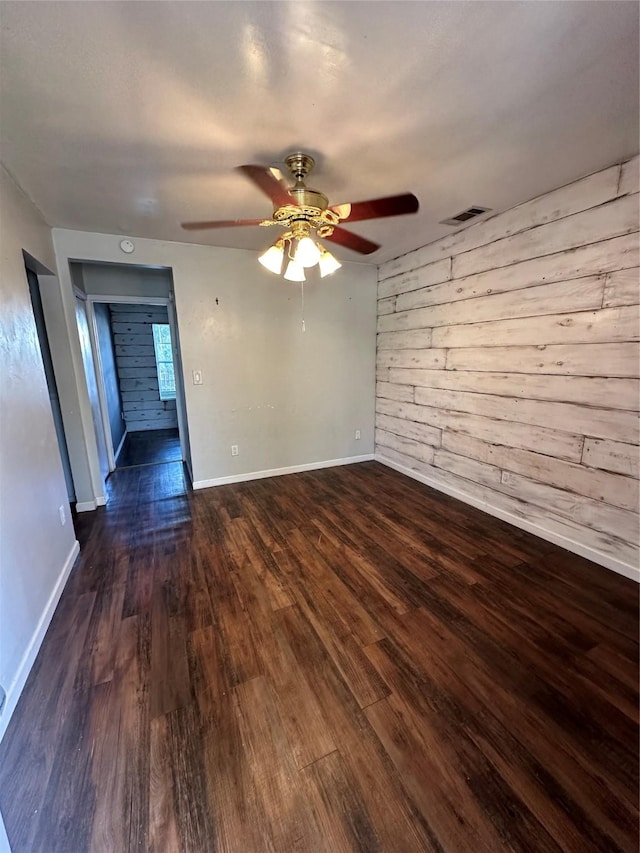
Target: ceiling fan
{"points": [[305, 214]]}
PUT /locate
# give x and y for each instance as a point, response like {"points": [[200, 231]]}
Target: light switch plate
{"points": [[197, 377]]}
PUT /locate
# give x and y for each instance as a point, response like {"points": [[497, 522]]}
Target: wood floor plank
{"points": [[361, 573], [163, 829], [341, 822], [559, 686], [220, 745], [301, 716], [106, 765], [275, 801], [343, 648], [436, 768], [193, 817], [338, 660], [169, 678], [319, 575], [393, 815], [464, 681], [103, 649], [555, 795], [120, 748], [50, 690]]}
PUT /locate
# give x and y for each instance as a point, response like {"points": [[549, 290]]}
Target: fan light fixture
{"points": [[307, 253], [274, 256], [328, 263], [294, 271], [307, 216], [303, 252]]}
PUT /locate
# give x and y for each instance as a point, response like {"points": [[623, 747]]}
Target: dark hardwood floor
{"points": [[339, 660], [149, 446]]}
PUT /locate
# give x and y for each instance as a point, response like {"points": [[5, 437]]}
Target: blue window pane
{"points": [[164, 360], [162, 333], [163, 352]]}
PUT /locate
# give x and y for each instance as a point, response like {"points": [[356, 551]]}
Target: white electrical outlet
{"points": [[197, 377], [357, 435], [234, 449], [63, 516]]}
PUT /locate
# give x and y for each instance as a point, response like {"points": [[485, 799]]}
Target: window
{"points": [[164, 361]]}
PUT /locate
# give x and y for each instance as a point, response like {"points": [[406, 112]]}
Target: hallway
{"points": [[291, 664], [150, 446]]}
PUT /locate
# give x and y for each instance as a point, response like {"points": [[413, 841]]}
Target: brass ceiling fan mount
{"points": [[303, 210], [300, 164]]}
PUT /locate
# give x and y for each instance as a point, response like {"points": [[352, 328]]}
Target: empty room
{"points": [[319, 435]]}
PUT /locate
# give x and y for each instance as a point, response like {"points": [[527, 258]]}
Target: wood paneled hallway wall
{"points": [[508, 365], [132, 327], [339, 660]]}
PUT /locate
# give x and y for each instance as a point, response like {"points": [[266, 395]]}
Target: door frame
{"points": [[167, 302], [35, 295], [82, 297]]}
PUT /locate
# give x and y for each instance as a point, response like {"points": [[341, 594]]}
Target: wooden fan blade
{"points": [[376, 208], [265, 180], [352, 241], [220, 223]]}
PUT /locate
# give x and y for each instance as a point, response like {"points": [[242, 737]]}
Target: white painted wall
{"points": [[123, 280], [508, 366], [36, 552], [287, 398]]}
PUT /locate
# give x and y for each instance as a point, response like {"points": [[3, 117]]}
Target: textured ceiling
{"points": [[129, 117]]}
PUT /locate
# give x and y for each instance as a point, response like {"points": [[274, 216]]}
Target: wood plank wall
{"points": [[507, 363], [137, 371]]}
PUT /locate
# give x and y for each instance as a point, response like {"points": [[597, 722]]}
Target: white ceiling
{"points": [[128, 117]]}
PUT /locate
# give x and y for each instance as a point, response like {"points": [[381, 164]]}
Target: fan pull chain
{"points": [[302, 297]]}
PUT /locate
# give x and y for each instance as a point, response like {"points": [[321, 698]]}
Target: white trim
{"points": [[117, 453], [86, 506], [101, 500], [95, 426], [550, 536], [94, 337], [278, 472], [31, 652], [4, 841], [181, 405], [132, 300]]}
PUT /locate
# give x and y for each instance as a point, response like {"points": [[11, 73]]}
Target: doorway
{"points": [[139, 389], [137, 354], [149, 447], [54, 399], [139, 380]]}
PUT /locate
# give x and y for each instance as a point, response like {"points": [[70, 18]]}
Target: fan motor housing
{"points": [[306, 197]]}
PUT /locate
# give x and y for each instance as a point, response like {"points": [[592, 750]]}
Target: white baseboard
{"points": [[15, 688], [86, 506], [278, 472], [531, 527], [89, 506]]}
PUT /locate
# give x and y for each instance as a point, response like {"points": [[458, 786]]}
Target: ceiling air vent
{"points": [[466, 215]]}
